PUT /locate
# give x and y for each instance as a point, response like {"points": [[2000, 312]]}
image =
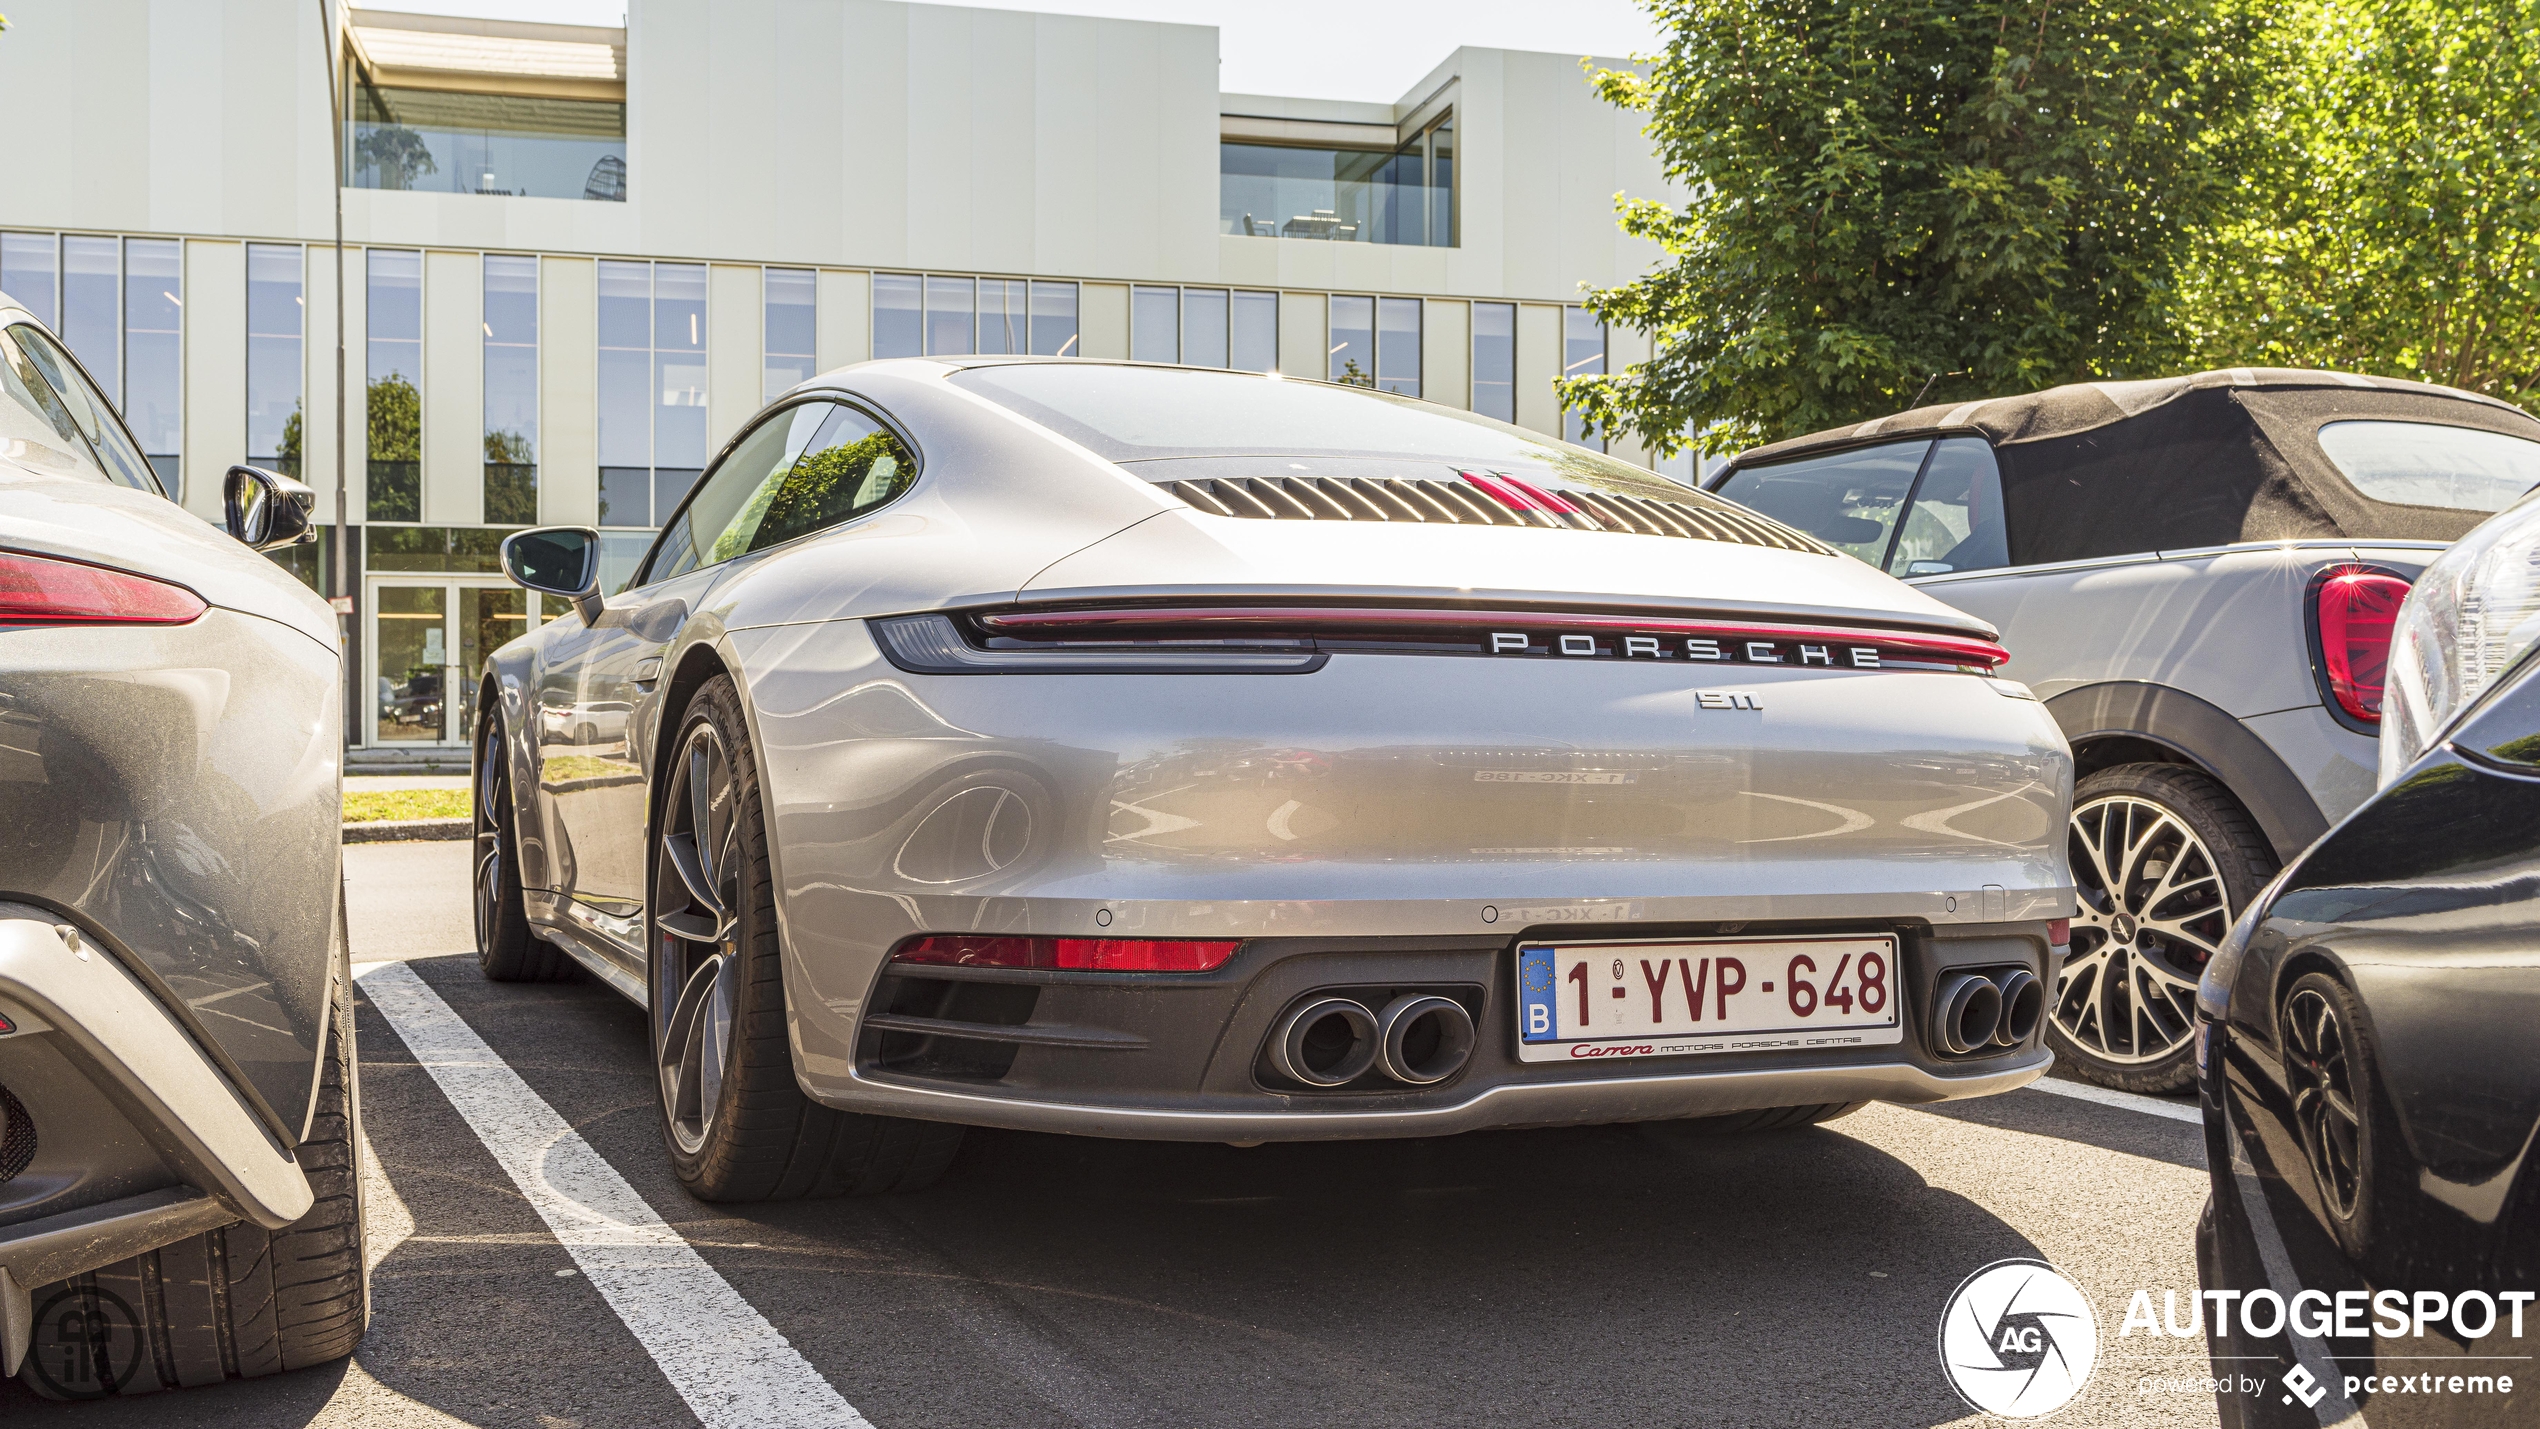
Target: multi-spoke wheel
{"points": [[2328, 1070], [734, 1117], [2163, 861], [505, 948]]}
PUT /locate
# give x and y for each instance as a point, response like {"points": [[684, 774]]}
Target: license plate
{"points": [[1692, 996]]}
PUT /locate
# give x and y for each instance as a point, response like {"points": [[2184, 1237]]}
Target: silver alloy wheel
{"points": [[2321, 1074], [696, 936], [2153, 909]]}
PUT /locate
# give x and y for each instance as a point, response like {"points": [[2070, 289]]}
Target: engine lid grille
{"points": [[1482, 499]]}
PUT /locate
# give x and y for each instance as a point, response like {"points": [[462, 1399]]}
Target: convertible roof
{"points": [[2210, 459]]}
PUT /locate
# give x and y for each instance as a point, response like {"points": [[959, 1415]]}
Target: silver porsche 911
{"points": [[1155, 752]]}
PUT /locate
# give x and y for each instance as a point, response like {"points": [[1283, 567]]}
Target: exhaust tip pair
{"points": [[1419, 1039], [1986, 1009]]}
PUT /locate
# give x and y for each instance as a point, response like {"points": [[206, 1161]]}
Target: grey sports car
{"points": [[179, 1196], [1155, 752]]}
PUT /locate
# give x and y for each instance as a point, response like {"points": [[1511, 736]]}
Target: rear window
{"points": [[1164, 414], [2426, 464]]}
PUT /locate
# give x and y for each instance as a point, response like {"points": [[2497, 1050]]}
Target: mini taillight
{"points": [[37, 590], [2356, 612], [2059, 932], [1112, 955]]}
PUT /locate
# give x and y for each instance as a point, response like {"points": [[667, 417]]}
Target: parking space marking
{"points": [[732, 1367], [2149, 1106]]}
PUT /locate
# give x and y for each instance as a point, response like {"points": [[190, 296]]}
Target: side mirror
{"points": [[558, 560], [266, 510]]}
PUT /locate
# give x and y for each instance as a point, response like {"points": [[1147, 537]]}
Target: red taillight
{"points": [[2059, 932], [37, 590], [1111, 955], [2356, 611]]}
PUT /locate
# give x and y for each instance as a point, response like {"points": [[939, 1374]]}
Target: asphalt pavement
{"points": [[1634, 1274]]}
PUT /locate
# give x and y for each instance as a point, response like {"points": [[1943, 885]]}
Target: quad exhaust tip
{"points": [[2023, 1002], [1966, 1014], [1424, 1038], [1328, 1042]]}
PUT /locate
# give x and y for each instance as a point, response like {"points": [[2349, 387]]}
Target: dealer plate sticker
{"points": [[1695, 996]]}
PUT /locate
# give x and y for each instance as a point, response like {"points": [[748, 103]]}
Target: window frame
{"points": [[93, 397], [835, 396]]}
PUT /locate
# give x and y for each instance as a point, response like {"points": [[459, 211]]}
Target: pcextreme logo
{"points": [[2017, 1339]]}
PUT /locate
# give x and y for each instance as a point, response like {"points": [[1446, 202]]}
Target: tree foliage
{"points": [[1933, 198], [396, 419], [2393, 226]]}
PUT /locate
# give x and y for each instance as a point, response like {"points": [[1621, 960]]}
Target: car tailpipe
{"points": [[1965, 1013], [2023, 1002], [1326, 1042], [1423, 1038]]}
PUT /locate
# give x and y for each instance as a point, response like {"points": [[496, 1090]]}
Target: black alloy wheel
{"points": [[2162, 860], [2328, 1069]]}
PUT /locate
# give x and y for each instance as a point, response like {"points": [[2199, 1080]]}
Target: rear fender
{"points": [[2203, 735]]}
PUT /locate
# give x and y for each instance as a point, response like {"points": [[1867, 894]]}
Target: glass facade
{"points": [[31, 272], [154, 353], [1252, 332], [274, 322], [92, 299], [1155, 325], [1204, 327], [791, 328], [1375, 342], [392, 383], [1352, 335], [920, 315], [652, 388], [435, 141], [1404, 195], [1582, 355], [1495, 360], [511, 390]]}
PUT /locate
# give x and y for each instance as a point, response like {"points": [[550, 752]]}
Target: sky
{"points": [[1313, 49]]}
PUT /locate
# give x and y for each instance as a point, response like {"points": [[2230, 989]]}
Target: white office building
{"points": [[575, 260]]}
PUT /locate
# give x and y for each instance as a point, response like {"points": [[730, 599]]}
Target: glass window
{"points": [[1582, 355], [1495, 360], [1352, 335], [899, 315], [1204, 327], [1398, 346], [511, 390], [803, 470], [1849, 500], [950, 330], [273, 356], [87, 408], [1955, 522], [524, 145], [1252, 332], [792, 329], [30, 271], [1004, 315], [393, 301], [1390, 195], [2425, 464], [1054, 319], [154, 352], [1155, 325], [92, 326], [652, 388], [33, 420]]}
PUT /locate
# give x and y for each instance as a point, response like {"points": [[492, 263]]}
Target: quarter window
{"points": [[2427, 464], [1955, 522], [92, 419], [804, 469], [1849, 500]]}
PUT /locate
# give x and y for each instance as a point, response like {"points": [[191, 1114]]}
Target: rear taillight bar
{"points": [[41, 590], [1669, 637], [1114, 955], [2353, 609]]}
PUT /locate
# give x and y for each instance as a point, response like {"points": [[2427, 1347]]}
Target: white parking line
{"points": [[2149, 1106], [733, 1368]]}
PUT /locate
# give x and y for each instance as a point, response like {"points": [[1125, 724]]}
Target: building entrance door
{"points": [[429, 640]]}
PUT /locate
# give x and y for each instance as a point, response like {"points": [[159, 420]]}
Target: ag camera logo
{"points": [[2018, 1340]]}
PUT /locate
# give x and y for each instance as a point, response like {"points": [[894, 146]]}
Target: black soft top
{"points": [[2114, 468]]}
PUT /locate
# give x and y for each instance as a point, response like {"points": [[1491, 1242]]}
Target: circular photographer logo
{"points": [[2018, 1339], [87, 1343]]}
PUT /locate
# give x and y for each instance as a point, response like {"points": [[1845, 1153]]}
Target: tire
{"points": [[1780, 1118], [734, 1119], [2334, 1081], [236, 1303], [2185, 859], [506, 949]]}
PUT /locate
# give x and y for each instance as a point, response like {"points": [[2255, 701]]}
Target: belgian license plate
{"points": [[1688, 997]]}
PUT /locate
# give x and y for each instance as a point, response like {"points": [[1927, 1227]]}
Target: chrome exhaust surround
{"points": [[1965, 1013], [1424, 1039], [2023, 1002], [1327, 1042]]}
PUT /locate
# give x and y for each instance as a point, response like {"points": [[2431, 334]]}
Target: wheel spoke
{"points": [[691, 927], [681, 849], [700, 808], [2096, 847]]}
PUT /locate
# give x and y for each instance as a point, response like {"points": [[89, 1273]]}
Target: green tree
{"points": [[2394, 226], [1896, 200], [399, 154], [396, 419]]}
